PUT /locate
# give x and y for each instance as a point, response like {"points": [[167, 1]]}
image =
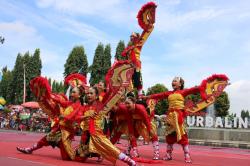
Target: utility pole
{"points": [[24, 84]]}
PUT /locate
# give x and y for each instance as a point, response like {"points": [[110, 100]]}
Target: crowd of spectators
{"points": [[24, 120]]}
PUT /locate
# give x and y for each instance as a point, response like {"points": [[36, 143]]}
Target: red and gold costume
{"points": [[146, 19], [102, 96], [135, 123], [131, 122], [93, 141], [176, 114], [57, 107], [177, 110]]}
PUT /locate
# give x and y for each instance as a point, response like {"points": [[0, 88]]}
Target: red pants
{"points": [[43, 142], [116, 137], [171, 139]]}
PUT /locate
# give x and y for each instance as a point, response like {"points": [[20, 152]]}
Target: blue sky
{"points": [[192, 38]]}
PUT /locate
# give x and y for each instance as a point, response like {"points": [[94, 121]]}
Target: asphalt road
{"points": [[47, 156]]}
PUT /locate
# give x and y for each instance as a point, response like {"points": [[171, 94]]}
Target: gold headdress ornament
{"points": [[75, 80]]}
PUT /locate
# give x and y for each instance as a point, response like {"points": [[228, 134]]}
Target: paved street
{"points": [[47, 156]]}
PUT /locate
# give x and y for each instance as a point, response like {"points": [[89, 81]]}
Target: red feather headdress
{"points": [[146, 15], [75, 80]]}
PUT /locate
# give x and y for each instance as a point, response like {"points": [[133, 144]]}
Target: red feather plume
{"points": [[40, 87], [148, 6], [203, 85], [75, 79]]}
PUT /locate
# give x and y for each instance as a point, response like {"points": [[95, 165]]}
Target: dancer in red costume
{"points": [[175, 130], [58, 106], [93, 141], [101, 90], [134, 121], [146, 20]]}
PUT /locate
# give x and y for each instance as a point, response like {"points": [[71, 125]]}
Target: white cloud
{"points": [[111, 11], [79, 6], [246, 47], [54, 21], [239, 95], [86, 31], [18, 34], [21, 37], [24, 13], [170, 2], [153, 74], [175, 21]]}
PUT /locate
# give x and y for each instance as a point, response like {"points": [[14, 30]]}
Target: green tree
{"points": [[61, 88], [36, 64], [33, 68], [244, 114], [5, 84], [162, 105], [106, 61], [222, 105], [77, 60], [57, 87], [53, 87], [27, 67], [96, 67], [120, 47], [247, 114], [49, 80], [31, 65], [231, 117], [17, 81]]}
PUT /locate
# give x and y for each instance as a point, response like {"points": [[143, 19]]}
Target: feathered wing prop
{"points": [[210, 89], [54, 105], [146, 16], [42, 90], [118, 82], [146, 20]]}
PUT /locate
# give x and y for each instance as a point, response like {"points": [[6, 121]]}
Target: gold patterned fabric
{"points": [[67, 140], [54, 137], [173, 125], [98, 142], [153, 130], [97, 121], [176, 101], [176, 104], [141, 128], [123, 127]]}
